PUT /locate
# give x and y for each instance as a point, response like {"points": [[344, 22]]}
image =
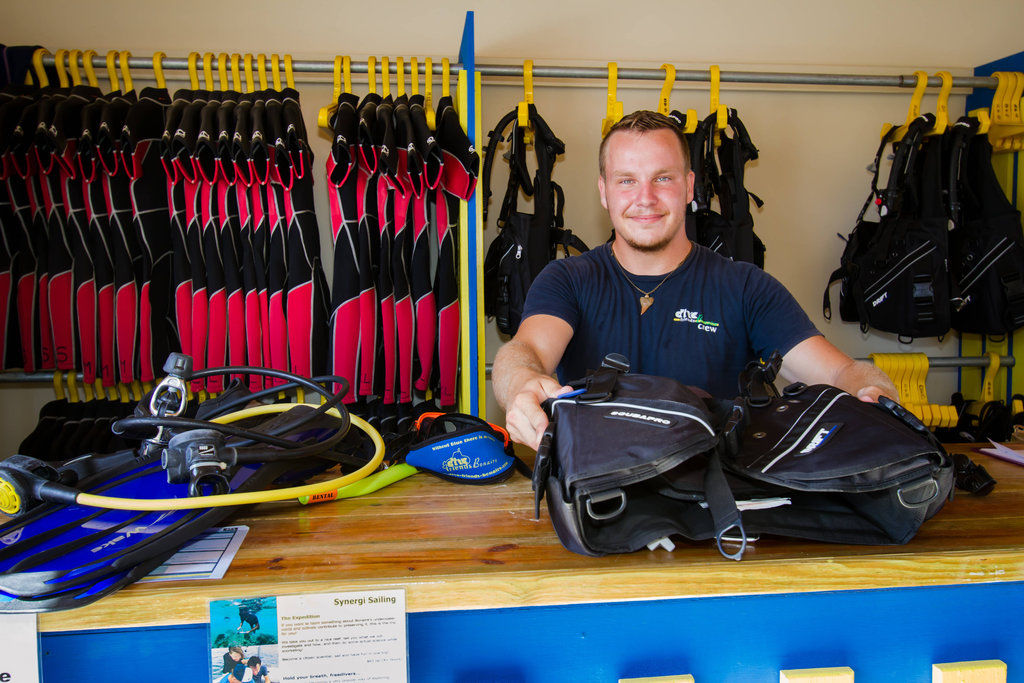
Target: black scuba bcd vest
{"points": [[730, 230], [894, 272], [986, 243], [525, 242]]}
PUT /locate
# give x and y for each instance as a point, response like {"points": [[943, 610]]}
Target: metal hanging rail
{"points": [[933, 362], [597, 72]]}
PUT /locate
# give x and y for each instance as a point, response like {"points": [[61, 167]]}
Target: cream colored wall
{"points": [[815, 142]]}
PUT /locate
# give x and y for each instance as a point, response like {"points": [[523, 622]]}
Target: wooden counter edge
{"points": [[179, 603]]}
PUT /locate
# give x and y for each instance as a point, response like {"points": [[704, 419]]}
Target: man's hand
{"points": [[870, 394], [521, 377], [524, 418]]}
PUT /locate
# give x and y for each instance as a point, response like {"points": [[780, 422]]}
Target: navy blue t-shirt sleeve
{"points": [[775, 320], [553, 293]]}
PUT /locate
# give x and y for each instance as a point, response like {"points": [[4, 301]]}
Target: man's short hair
{"points": [[254, 661], [643, 121]]}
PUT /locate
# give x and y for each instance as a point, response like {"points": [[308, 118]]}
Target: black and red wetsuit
{"points": [[459, 173], [341, 182], [425, 182], [140, 150]]}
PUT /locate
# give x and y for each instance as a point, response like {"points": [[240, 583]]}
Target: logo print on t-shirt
{"points": [[684, 315]]}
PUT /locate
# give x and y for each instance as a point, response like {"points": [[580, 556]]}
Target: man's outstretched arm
{"points": [[522, 375], [816, 360]]}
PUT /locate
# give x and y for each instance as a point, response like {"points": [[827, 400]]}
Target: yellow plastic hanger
{"points": [[62, 75], [988, 382], [261, 68], [247, 68], [158, 69], [446, 79], [275, 70], [222, 70], [37, 66], [717, 108], [208, 70], [399, 77], [942, 104], [58, 386], [984, 121], [899, 368], [428, 92], [371, 74], [289, 76], [115, 83], [236, 76], [523, 110], [87, 390], [72, 379], [323, 117], [90, 68], [341, 68], [664, 106], [385, 77], [1000, 101], [913, 111], [59, 58], [414, 76], [999, 112], [193, 72], [1018, 139], [613, 112], [76, 74], [1007, 130], [919, 377], [124, 56]]}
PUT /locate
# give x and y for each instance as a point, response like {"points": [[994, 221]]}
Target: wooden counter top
{"points": [[467, 547]]}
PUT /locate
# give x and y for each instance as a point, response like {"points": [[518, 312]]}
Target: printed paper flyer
{"points": [[352, 636], [19, 650]]}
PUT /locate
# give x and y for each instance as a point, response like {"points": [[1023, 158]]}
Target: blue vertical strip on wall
{"points": [[467, 57]]}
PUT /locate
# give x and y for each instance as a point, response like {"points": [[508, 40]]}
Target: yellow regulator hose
{"points": [[223, 500]]}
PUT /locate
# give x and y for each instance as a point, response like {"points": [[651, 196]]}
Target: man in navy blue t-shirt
{"points": [[673, 308]]}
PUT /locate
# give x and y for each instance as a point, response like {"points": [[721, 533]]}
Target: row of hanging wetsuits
{"points": [[947, 249], [395, 186], [134, 224]]}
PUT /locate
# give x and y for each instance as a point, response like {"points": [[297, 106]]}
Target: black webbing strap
{"points": [[903, 171], [725, 516], [493, 138], [875, 167], [962, 132]]}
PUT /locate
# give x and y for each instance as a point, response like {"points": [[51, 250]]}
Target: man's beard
{"points": [[647, 248]]}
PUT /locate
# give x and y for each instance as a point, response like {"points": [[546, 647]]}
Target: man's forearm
{"points": [[514, 364], [859, 374]]}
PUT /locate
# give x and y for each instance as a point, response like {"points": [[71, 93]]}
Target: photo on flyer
{"points": [[244, 640]]}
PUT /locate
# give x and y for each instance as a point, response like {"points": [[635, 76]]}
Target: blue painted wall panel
{"points": [[884, 635]]}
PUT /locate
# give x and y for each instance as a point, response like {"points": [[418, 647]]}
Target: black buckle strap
{"points": [[924, 298], [601, 383], [1013, 286], [757, 380]]}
